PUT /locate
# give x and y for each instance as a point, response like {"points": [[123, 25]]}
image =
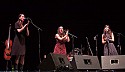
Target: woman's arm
{"points": [[67, 39], [103, 40], [27, 31], [60, 38], [21, 29], [25, 26]]}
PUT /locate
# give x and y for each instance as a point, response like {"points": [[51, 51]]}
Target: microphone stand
{"points": [[39, 29], [119, 46], [72, 36], [89, 46], [95, 38]]}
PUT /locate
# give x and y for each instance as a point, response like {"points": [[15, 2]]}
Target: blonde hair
{"points": [[59, 32]]}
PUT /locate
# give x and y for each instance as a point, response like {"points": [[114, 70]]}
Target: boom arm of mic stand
{"points": [[37, 27], [122, 35], [72, 35]]}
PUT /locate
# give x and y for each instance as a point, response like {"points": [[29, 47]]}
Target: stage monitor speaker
{"points": [[55, 62], [81, 62], [113, 62]]}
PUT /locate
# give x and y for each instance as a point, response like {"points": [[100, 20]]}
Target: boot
{"points": [[16, 67], [21, 68]]}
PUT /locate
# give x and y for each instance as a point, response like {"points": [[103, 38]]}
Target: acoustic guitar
{"points": [[8, 44]]}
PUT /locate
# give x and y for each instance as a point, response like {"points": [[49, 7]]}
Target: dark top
{"points": [[18, 47]]}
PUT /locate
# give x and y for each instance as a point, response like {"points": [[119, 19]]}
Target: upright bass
{"points": [[8, 44]]}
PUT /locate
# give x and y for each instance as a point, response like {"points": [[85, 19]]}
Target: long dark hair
{"points": [[107, 32], [20, 21]]}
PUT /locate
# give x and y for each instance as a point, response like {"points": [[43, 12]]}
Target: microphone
{"points": [[29, 19]]}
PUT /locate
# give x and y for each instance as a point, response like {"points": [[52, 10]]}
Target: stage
{"points": [[84, 19]]}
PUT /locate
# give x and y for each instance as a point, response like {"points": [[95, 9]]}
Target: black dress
{"points": [[18, 47]]}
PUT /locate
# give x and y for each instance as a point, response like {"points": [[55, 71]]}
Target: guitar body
{"points": [[7, 51]]}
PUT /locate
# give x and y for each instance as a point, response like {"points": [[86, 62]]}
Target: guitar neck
{"points": [[9, 37]]}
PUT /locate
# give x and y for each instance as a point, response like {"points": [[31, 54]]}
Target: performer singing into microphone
{"points": [[107, 40], [18, 48], [61, 38]]}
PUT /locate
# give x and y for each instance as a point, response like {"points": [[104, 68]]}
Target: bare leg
{"points": [[16, 62], [22, 57]]}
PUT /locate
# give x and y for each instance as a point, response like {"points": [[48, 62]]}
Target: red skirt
{"points": [[60, 49]]}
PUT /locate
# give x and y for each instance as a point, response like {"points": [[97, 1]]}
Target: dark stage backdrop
{"points": [[82, 18]]}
